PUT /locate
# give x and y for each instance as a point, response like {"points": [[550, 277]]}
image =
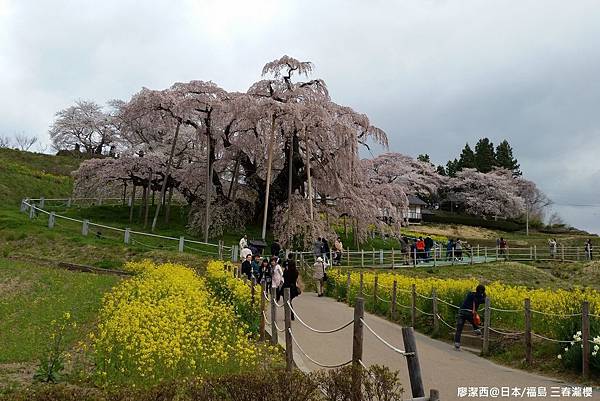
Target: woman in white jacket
{"points": [[276, 276]]}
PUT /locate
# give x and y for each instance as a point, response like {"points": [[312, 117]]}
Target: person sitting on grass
{"points": [[468, 313]]}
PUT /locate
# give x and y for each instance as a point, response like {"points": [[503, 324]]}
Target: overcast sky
{"points": [[432, 74]]}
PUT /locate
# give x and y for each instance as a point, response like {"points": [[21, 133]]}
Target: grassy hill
{"points": [[25, 174]]}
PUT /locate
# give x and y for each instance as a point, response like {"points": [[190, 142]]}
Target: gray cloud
{"points": [[433, 74]]}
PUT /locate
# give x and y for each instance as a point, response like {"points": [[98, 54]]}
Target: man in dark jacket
{"points": [[465, 314], [247, 267], [275, 248]]}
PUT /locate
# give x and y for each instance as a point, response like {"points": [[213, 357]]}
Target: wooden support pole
{"points": [[362, 258], [357, 349], [485, 254], [253, 291], [262, 312], [51, 220], [412, 360], [436, 319], [486, 327], [127, 236], [413, 306], [348, 282], [289, 355], [274, 339], [361, 285], [181, 243], [85, 228], [535, 252], [394, 300], [375, 282], [585, 338], [393, 258], [528, 344], [562, 251]]}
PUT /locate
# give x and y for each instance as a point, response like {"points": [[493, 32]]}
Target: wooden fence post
{"points": [[530, 253], [357, 349], [528, 345], [393, 258], [413, 306], [394, 297], [361, 285], [69, 202], [274, 339], [497, 253], [471, 252], [220, 249], [412, 360], [415, 257], [485, 254], [85, 228], [373, 258], [181, 243], [434, 257], [375, 285], [478, 250], [262, 311], [289, 355], [362, 258], [434, 308], [127, 235], [51, 220], [42, 202], [562, 251], [535, 252], [348, 257], [487, 315], [253, 290], [453, 258], [348, 283], [585, 338]]}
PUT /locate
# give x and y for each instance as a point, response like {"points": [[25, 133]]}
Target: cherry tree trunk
{"points": [[309, 179], [290, 171], [269, 165], [147, 209], [168, 206], [208, 185], [132, 203], [234, 179], [163, 189]]}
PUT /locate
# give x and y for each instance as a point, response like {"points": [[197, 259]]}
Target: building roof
{"points": [[416, 201]]}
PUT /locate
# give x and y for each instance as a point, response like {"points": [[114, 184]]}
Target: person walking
{"points": [[325, 250], [243, 245], [319, 275], [247, 267], [552, 247], [420, 249], [256, 268], [339, 250], [428, 247], [318, 248], [290, 280], [265, 273], [275, 248], [449, 249], [276, 277], [503, 248], [458, 249], [468, 313], [588, 249]]}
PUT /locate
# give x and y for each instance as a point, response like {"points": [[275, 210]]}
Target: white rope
{"points": [[423, 312], [312, 360], [200, 250], [404, 306], [266, 319], [146, 245], [506, 310], [555, 314], [277, 328], [448, 303], [553, 340], [316, 330], [423, 296], [398, 350], [383, 300], [507, 333], [443, 321]]}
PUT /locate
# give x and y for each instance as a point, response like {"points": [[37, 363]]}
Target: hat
{"points": [[319, 259]]}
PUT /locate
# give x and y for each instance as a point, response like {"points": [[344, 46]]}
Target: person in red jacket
{"points": [[420, 245]]}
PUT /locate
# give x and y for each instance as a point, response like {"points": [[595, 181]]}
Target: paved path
{"points": [[442, 367]]}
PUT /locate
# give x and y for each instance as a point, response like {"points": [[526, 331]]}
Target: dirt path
{"points": [[443, 368]]}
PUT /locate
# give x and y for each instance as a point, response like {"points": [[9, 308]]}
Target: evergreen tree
{"points": [[452, 168], [424, 158], [485, 159], [505, 158], [467, 158], [441, 170]]}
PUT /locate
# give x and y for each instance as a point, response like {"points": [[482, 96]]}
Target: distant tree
{"points": [[86, 125], [467, 158], [505, 158], [484, 156], [452, 168], [424, 158], [25, 142], [441, 170], [4, 142], [555, 220]]}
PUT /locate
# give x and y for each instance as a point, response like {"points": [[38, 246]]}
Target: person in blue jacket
{"points": [[465, 313]]}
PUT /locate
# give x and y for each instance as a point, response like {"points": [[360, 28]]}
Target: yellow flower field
{"points": [[549, 302], [165, 324]]}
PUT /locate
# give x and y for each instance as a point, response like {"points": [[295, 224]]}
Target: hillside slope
{"points": [[24, 174]]}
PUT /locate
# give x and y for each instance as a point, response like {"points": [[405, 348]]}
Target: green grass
{"points": [[33, 295], [26, 174]]}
